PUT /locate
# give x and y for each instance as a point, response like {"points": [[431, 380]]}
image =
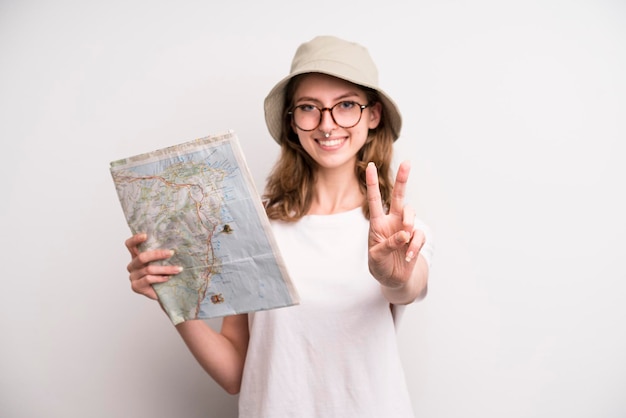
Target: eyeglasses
{"points": [[346, 114]]}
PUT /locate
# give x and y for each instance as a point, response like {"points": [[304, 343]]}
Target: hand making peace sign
{"points": [[394, 243]]}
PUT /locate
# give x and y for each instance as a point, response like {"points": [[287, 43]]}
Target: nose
{"points": [[327, 122]]}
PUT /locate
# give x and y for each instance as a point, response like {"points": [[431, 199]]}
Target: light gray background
{"points": [[514, 120]]}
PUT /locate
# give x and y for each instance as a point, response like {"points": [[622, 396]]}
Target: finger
{"points": [[154, 270], [133, 242], [142, 259], [415, 245], [373, 192], [408, 219], [395, 242], [399, 188], [141, 280], [413, 242], [144, 287]]}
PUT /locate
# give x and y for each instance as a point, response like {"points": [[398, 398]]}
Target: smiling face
{"points": [[330, 145]]}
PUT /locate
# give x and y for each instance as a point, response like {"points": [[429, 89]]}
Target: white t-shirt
{"points": [[335, 354]]}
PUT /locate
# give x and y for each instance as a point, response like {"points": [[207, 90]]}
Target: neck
{"points": [[335, 192]]}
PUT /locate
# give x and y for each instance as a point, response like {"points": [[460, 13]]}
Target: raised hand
{"points": [[394, 243]]}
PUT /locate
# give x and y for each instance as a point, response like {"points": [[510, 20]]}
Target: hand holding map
{"points": [[198, 198]]}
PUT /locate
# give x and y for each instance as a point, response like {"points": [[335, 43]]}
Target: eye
{"points": [[347, 105], [306, 108]]}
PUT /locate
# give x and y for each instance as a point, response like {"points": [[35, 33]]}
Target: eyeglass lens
{"points": [[345, 114]]}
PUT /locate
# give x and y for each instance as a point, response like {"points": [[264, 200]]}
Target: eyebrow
{"points": [[338, 99]]}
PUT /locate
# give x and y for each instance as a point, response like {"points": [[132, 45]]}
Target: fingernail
{"points": [[409, 256], [179, 268], [172, 253]]}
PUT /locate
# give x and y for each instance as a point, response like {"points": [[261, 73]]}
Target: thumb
{"points": [[391, 244]]}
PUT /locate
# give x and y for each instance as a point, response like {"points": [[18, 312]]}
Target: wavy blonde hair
{"points": [[289, 188]]}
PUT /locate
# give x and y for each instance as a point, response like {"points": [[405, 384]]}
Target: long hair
{"points": [[289, 188]]}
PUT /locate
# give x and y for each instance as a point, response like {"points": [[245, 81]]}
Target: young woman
{"points": [[355, 252]]}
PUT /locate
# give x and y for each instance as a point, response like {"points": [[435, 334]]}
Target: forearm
{"points": [[221, 354], [414, 289]]}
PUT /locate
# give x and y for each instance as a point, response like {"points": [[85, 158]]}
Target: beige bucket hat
{"points": [[339, 58]]}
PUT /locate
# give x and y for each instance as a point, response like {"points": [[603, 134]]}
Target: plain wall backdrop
{"points": [[514, 121]]}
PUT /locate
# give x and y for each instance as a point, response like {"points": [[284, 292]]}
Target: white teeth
{"points": [[331, 143]]}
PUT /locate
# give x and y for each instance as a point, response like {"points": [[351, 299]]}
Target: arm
{"points": [[221, 354], [394, 243]]}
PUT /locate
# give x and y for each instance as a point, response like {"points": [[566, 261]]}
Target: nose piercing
{"points": [[327, 135]]}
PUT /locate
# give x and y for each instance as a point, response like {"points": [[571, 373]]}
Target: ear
{"points": [[375, 112]]}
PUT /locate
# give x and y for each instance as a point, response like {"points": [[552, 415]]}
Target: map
{"points": [[198, 199]]}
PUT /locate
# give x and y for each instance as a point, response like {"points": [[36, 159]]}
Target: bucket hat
{"points": [[336, 57]]}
